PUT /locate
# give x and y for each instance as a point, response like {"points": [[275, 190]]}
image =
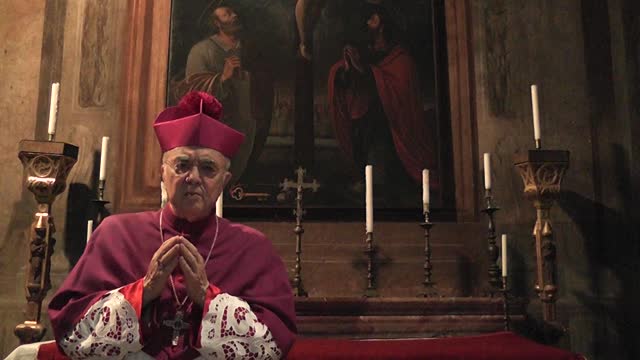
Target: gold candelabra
{"points": [[47, 165], [542, 172]]}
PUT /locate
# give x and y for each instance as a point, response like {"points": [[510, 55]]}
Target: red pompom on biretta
{"points": [[196, 122], [210, 105]]}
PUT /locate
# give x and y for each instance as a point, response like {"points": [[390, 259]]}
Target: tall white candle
{"points": [[425, 190], [164, 197], [53, 108], [89, 229], [368, 175], [536, 112], [219, 205], [103, 158], [504, 255], [487, 171]]}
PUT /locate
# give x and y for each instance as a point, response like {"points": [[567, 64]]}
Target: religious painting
{"points": [[321, 89]]}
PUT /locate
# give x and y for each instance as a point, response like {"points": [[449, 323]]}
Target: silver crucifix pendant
{"points": [[177, 324]]}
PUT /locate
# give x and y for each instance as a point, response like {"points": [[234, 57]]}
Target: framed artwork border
{"points": [[143, 91]]}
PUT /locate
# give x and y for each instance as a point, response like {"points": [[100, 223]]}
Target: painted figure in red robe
{"points": [[375, 102]]}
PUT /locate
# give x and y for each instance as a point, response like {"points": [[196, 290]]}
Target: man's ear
{"points": [[226, 179]]}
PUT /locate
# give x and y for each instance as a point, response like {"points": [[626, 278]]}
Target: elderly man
{"points": [[179, 283]]}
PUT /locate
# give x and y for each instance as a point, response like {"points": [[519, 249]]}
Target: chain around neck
{"points": [[173, 287]]}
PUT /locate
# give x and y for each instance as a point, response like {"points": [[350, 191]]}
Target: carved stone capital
{"points": [[542, 172], [47, 165]]}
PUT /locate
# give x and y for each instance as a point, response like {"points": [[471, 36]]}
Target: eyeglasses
{"points": [[206, 168]]}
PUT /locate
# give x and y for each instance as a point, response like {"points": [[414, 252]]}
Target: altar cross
{"points": [[289, 184]]}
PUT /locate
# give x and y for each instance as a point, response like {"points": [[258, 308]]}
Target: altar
{"points": [[397, 318]]}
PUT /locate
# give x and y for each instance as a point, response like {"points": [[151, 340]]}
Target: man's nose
{"points": [[193, 177]]}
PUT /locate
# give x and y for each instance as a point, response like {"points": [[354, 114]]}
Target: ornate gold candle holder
{"points": [[542, 172], [47, 165]]}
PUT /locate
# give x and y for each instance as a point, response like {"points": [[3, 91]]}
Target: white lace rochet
{"points": [[110, 330], [230, 330]]}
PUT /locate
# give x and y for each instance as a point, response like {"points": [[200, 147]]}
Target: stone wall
{"points": [[583, 57], [21, 31]]}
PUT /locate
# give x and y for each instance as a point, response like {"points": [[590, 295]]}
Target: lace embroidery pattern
{"points": [[230, 330], [109, 329]]}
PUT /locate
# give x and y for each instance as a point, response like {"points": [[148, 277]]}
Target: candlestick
{"points": [[536, 115], [89, 229], [100, 203], [425, 191], [542, 172], [47, 165], [368, 174], [505, 303], [53, 110], [370, 251], [300, 186], [492, 250], [219, 205], [487, 171], [298, 287], [504, 255], [428, 285], [103, 158]]}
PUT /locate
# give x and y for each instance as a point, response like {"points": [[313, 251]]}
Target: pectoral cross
{"points": [[177, 325]]}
